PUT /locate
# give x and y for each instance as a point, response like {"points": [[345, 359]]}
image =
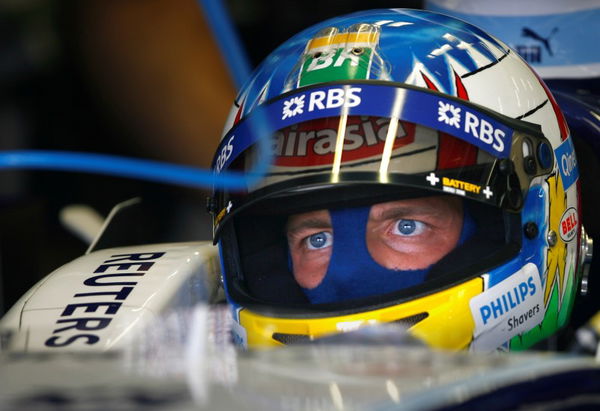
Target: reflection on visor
{"points": [[370, 144], [414, 156], [313, 143]]}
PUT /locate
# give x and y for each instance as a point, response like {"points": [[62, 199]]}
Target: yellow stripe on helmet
{"points": [[450, 306], [364, 39]]}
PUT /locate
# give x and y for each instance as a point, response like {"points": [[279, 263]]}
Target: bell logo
{"points": [[568, 224]]}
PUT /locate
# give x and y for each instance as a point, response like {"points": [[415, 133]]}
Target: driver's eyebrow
{"points": [[307, 223], [406, 210]]}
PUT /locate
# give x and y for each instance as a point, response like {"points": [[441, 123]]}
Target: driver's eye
{"points": [[319, 240], [408, 227]]}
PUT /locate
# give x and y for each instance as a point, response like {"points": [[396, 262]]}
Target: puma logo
{"points": [[527, 32]]}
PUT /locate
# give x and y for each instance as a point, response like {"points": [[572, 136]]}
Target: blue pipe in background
{"points": [[129, 167], [227, 40], [239, 67], [148, 169]]}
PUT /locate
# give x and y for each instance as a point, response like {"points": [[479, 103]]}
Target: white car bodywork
{"points": [[101, 300]]}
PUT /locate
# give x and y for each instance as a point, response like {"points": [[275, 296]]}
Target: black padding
{"points": [[264, 260]]}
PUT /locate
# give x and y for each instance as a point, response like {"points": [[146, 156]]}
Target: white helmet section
{"points": [[509, 87], [100, 301]]}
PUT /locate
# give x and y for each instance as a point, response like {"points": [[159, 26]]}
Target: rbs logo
{"points": [[472, 125], [320, 100], [226, 152]]}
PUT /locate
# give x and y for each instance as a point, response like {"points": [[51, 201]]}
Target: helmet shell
{"points": [[510, 306]]}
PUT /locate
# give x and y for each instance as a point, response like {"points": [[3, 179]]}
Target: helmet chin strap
{"points": [[352, 273]]}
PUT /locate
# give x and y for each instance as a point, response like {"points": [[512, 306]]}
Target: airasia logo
{"points": [[568, 224], [313, 143]]}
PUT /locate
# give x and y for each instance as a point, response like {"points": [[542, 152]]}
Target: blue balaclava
{"points": [[352, 272]]}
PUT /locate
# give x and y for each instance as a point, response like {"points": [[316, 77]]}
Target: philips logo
{"points": [[507, 301], [321, 100], [511, 307], [471, 124]]}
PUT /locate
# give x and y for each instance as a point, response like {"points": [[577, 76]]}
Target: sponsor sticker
{"points": [[449, 116], [459, 187], [313, 143], [321, 100], [509, 308], [475, 128], [568, 224], [343, 55], [224, 154], [455, 186], [75, 325], [567, 163]]}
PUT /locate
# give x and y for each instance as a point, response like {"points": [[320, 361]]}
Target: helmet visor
{"points": [[386, 135]]}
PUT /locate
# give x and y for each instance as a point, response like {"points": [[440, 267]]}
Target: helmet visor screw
{"points": [[529, 165], [551, 238], [531, 230]]}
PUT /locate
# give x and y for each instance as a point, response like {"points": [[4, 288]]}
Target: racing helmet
{"points": [[399, 110]]}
